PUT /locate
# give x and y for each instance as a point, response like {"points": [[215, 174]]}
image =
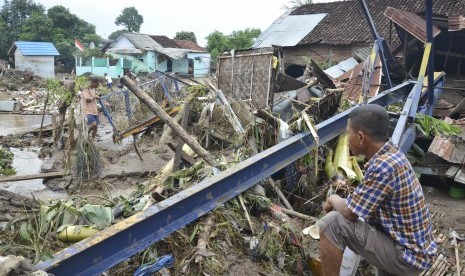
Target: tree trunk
{"points": [[155, 108]]}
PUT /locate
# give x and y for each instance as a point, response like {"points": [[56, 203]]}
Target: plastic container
{"points": [[457, 192]]}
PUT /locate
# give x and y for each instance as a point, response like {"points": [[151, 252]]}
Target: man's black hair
{"points": [[371, 119]]}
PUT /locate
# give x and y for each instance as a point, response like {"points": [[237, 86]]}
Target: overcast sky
{"points": [[170, 16]]}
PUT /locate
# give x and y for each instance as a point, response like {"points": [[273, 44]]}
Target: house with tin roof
{"points": [[332, 32], [149, 53], [36, 57]]}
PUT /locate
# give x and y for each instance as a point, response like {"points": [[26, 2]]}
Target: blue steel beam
{"points": [[382, 48], [410, 133], [411, 105], [119, 242]]}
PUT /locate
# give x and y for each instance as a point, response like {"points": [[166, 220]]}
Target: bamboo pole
{"points": [[155, 108], [241, 200], [280, 194]]}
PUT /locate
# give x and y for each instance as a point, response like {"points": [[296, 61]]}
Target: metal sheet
{"points": [[107, 248], [288, 30], [29, 48], [412, 23], [451, 149], [341, 68]]}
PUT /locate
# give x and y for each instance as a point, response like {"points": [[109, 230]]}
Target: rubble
{"points": [[181, 137]]}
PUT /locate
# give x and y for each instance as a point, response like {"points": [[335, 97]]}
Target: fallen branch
{"points": [[252, 229], [155, 108], [32, 176], [297, 214], [280, 194]]}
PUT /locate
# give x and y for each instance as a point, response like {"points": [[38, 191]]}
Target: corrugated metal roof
{"points": [[142, 41], [288, 30], [147, 43], [410, 22], [341, 68], [451, 149], [29, 48]]}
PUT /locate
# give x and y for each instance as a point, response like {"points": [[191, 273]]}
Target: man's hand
{"points": [[327, 207], [337, 203]]}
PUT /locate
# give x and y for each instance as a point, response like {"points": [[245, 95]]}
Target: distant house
{"points": [[37, 57], [149, 53], [332, 32]]}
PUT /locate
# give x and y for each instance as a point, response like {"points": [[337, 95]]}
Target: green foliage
{"points": [[114, 35], [26, 20], [429, 126], [37, 28], [13, 15], [131, 19], [183, 35], [243, 39], [91, 53], [217, 42], [294, 4], [6, 160], [81, 83], [198, 89], [58, 93]]}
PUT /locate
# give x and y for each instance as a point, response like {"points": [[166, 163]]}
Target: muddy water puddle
{"points": [[15, 124], [26, 161]]}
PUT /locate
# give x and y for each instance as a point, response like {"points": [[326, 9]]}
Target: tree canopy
{"points": [[114, 35], [13, 15], [294, 4], [130, 19], [217, 42], [183, 35], [26, 20]]}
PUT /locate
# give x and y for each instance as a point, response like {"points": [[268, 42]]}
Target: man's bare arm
{"points": [[338, 203]]}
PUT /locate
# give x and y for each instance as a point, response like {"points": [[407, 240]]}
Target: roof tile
{"points": [[346, 23]]}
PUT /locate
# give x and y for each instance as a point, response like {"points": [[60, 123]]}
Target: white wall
{"points": [[201, 64], [43, 66], [123, 42]]}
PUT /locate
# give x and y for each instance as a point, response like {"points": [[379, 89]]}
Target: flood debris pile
{"points": [[259, 230], [23, 88], [206, 131]]}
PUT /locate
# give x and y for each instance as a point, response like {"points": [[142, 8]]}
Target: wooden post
{"points": [[178, 152], [43, 115], [155, 108], [168, 132]]}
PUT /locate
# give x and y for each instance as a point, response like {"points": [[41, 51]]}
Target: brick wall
{"points": [[320, 53]]}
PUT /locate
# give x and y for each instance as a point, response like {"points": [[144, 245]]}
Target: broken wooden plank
{"points": [[321, 76], [31, 176], [140, 127], [158, 110]]}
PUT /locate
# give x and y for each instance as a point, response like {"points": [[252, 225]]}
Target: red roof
{"points": [[187, 44], [164, 41]]}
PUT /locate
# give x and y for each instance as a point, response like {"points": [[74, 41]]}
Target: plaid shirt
{"points": [[391, 198]]}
